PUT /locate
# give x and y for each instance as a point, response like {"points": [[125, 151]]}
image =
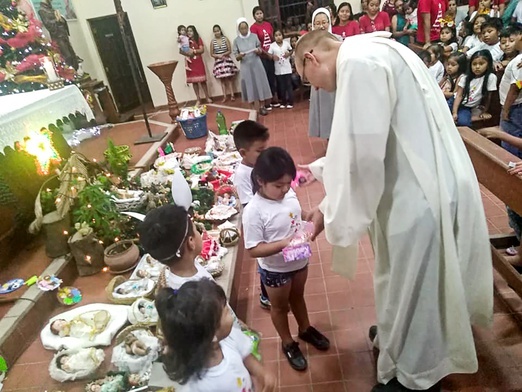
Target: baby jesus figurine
{"points": [[70, 365], [86, 325]]}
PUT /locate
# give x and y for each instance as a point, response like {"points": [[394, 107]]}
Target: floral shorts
{"points": [[277, 279]]}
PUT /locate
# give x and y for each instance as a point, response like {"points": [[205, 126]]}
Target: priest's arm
{"points": [[353, 170]]}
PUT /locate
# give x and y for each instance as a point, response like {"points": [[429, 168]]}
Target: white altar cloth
{"points": [[21, 114]]}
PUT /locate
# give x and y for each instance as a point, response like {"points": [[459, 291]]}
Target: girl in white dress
{"points": [[204, 353]]}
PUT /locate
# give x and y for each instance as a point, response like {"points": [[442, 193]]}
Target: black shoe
{"points": [[315, 338], [295, 356], [372, 333], [395, 386]]}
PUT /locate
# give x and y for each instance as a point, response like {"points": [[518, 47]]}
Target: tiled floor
{"points": [[342, 309]]}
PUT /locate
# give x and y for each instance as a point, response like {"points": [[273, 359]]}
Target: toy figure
{"points": [[86, 325], [134, 346]]}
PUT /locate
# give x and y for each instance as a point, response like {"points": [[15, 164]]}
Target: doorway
{"points": [[109, 42]]}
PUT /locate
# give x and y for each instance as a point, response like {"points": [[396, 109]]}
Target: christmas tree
{"points": [[22, 48]]}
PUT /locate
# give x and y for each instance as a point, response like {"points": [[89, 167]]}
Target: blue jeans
{"points": [[514, 128], [463, 114]]}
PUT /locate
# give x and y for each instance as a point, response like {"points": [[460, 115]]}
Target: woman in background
{"points": [[224, 67]]}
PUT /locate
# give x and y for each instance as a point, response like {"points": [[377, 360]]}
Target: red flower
{"points": [[30, 62]]}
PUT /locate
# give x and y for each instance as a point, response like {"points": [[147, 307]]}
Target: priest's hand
{"points": [[305, 175], [317, 218]]}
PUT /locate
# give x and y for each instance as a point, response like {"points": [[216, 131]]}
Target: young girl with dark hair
{"points": [[456, 67], [265, 33], [280, 51], [474, 91], [196, 74], [224, 68], [345, 25], [270, 220], [448, 40], [204, 352]]}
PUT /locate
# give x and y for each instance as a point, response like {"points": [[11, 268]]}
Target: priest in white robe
{"points": [[396, 165]]}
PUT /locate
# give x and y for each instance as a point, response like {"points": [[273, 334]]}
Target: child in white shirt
{"points": [[475, 39], [280, 51], [435, 66], [490, 39], [169, 235], [204, 353], [474, 89], [250, 138], [270, 220]]}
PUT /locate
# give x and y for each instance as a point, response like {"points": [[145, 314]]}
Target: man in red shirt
{"points": [[429, 13]]}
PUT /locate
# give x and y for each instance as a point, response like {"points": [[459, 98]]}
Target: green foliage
{"points": [[48, 199], [118, 158], [95, 207]]}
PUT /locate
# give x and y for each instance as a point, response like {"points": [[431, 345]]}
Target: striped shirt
{"points": [[219, 48]]}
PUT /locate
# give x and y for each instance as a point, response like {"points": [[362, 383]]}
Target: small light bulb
{"points": [[89, 206], [105, 269], [65, 232], [116, 239], [58, 200], [87, 258]]}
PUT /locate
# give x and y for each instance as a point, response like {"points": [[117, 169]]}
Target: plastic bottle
{"points": [[221, 123]]}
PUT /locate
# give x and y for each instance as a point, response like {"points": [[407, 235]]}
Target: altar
{"points": [[21, 114]]}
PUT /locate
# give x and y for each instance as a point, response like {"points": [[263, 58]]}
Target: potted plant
{"points": [[117, 159]]}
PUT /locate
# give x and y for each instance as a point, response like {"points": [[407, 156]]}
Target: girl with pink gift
{"points": [[271, 222]]}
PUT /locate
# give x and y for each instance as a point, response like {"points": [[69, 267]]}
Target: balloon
{"points": [[181, 191]]}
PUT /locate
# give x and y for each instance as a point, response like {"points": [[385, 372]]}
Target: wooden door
{"points": [[109, 41]]}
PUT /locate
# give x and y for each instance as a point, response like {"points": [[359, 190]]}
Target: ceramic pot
{"points": [[121, 256], [55, 228]]}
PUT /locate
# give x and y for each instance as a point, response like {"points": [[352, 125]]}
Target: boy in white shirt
{"points": [[490, 39], [250, 138]]}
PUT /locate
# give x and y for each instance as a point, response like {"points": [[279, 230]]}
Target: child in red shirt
{"points": [[375, 20], [345, 25], [265, 33]]}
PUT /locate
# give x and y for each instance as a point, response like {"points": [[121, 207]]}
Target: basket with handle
{"points": [[194, 128]]}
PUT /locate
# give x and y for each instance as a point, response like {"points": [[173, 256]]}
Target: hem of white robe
{"points": [[427, 379]]}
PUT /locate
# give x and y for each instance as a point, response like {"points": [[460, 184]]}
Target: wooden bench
{"points": [[491, 164]]}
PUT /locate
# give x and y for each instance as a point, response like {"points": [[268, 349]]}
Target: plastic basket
{"points": [[194, 128]]}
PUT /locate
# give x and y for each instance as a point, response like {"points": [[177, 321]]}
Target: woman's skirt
{"points": [[224, 68]]}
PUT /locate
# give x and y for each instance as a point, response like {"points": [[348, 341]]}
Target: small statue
{"points": [[86, 325], [134, 346], [57, 26]]}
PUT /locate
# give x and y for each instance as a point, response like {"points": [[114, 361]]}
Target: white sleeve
{"points": [[358, 145], [454, 47], [271, 49], [240, 342], [440, 73], [243, 185], [253, 229], [492, 82], [518, 12], [316, 168], [462, 81]]}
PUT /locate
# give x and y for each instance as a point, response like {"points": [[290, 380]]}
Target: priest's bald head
{"points": [[316, 59]]}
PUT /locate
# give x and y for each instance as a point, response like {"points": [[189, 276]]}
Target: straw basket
{"points": [[115, 282], [231, 190]]}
